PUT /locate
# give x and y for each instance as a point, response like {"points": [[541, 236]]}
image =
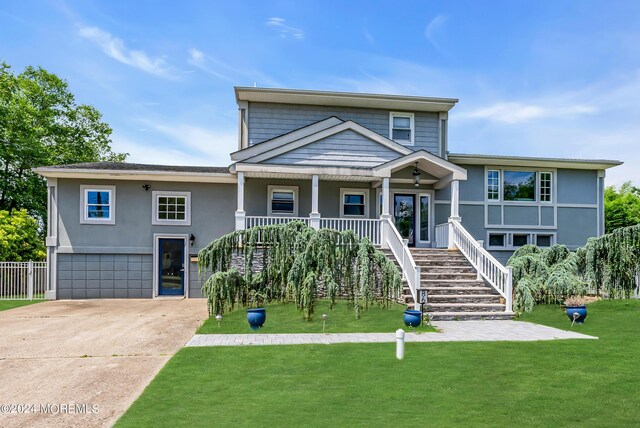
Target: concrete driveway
{"points": [[86, 361]]}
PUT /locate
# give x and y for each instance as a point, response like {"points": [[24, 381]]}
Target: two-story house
{"points": [[377, 164]]}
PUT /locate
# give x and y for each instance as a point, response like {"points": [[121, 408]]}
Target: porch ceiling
{"points": [[322, 177]]}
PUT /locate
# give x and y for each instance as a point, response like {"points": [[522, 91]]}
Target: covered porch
{"points": [[399, 193]]}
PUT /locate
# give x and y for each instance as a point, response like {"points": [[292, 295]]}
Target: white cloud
{"points": [[279, 25], [434, 29], [227, 72], [116, 49], [514, 112]]}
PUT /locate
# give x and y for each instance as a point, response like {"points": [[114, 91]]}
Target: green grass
{"points": [[10, 304], [555, 383], [285, 318]]}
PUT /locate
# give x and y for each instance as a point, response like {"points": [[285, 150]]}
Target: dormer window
{"points": [[401, 128]]}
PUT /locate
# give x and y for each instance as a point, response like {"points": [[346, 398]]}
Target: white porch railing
{"points": [[23, 280], [254, 220], [400, 249], [497, 275], [362, 227], [442, 235]]}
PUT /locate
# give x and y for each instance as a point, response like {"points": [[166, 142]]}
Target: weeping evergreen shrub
{"points": [[296, 260], [544, 276]]}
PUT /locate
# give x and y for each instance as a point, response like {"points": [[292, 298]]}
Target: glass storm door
{"points": [[171, 266], [404, 217], [425, 204]]}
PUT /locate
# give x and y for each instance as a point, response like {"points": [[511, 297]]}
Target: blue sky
{"points": [[538, 78]]}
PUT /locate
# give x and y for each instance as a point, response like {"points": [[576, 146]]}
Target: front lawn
{"points": [[556, 383], [285, 318], [10, 304]]}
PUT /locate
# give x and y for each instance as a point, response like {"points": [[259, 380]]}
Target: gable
{"points": [[345, 148]]}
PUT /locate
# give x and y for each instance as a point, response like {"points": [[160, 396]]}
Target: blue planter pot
{"points": [[256, 317], [412, 318], [581, 312]]}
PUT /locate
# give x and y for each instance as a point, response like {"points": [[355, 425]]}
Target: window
{"points": [[544, 240], [97, 205], [520, 240], [171, 208], [283, 200], [519, 186], [401, 128], [424, 217], [545, 186], [354, 203], [497, 239], [493, 185]]}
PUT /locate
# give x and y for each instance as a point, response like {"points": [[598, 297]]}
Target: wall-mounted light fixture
{"points": [[146, 187], [416, 176], [192, 239]]}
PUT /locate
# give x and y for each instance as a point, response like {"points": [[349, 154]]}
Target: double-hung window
{"points": [[171, 208], [354, 203], [97, 204], [401, 128], [283, 200]]}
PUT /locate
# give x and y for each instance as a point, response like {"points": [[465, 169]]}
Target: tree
{"points": [[41, 125], [19, 240], [621, 207]]}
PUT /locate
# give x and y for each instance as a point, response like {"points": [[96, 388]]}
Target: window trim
{"points": [[155, 221], [84, 219], [486, 194], [551, 186], [347, 191], [412, 127], [275, 188], [508, 238]]}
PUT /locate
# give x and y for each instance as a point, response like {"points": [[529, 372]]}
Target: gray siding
{"points": [[576, 225], [347, 148], [212, 215], [577, 186], [92, 276], [267, 121]]}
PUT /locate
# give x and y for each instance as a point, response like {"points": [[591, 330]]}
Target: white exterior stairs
{"points": [[453, 290]]}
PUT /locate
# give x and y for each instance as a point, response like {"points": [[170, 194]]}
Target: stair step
{"points": [[464, 298], [428, 276], [467, 316], [426, 283], [448, 269], [465, 307], [438, 291]]}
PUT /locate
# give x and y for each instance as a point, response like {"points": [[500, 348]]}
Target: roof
{"points": [[344, 99], [475, 159], [137, 171]]}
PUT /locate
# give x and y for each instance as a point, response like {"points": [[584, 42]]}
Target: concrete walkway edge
{"points": [[450, 331]]}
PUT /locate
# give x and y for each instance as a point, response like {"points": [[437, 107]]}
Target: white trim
{"points": [[84, 189], [325, 133], [430, 231], [276, 188], [508, 238], [169, 193], [349, 191], [173, 176], [156, 247], [256, 149], [412, 127], [451, 171], [540, 163]]}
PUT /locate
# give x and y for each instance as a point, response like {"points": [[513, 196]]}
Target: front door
{"points": [[171, 267], [404, 216]]}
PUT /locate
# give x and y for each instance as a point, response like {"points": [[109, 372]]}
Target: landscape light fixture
{"points": [[416, 176]]}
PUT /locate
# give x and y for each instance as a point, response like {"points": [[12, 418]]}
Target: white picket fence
{"points": [[23, 280]]}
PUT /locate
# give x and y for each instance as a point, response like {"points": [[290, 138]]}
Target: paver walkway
{"points": [[450, 331]]}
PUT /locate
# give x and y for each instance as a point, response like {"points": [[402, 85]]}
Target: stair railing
{"points": [[497, 275], [400, 249]]}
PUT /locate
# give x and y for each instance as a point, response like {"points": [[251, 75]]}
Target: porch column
{"points": [[240, 213], [314, 216], [455, 213], [384, 215]]}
